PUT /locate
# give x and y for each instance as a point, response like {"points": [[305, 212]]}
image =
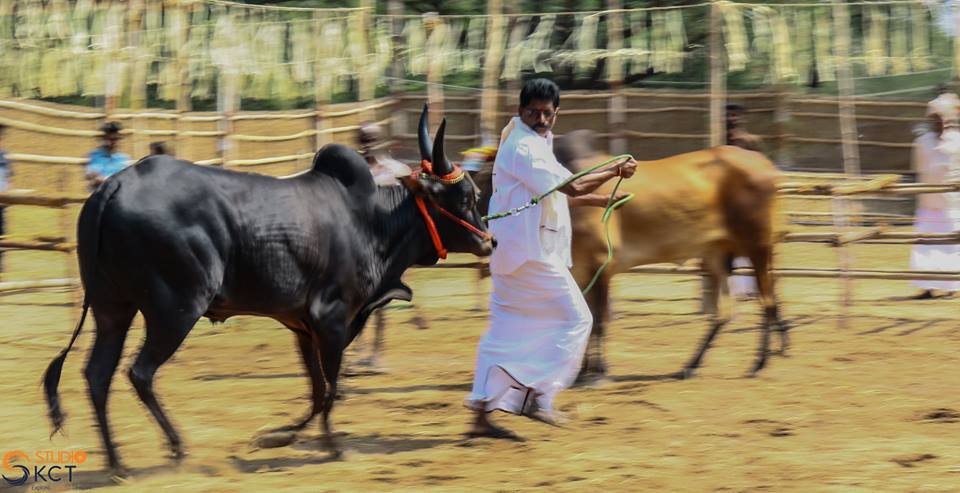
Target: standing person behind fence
{"points": [[387, 172], [935, 214], [105, 161], [5, 174], [539, 320], [741, 287], [159, 149]]}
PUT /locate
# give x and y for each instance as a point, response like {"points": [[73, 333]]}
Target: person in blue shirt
{"points": [[104, 161], [5, 174]]}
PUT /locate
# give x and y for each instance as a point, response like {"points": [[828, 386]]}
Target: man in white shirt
{"points": [[936, 212], [386, 171], [539, 320]]}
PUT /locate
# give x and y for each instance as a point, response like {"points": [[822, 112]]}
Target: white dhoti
{"points": [[936, 257], [742, 286], [539, 326]]}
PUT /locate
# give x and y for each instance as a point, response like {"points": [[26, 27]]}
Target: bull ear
{"points": [[441, 167], [423, 134]]}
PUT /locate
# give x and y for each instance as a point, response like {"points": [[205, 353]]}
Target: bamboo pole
{"points": [[138, 77], [867, 274], [434, 67], [617, 110], [718, 86], [67, 231], [490, 98], [41, 199], [228, 105], [395, 8], [851, 153], [368, 79], [320, 96], [717, 136], [782, 116], [180, 16], [48, 283]]}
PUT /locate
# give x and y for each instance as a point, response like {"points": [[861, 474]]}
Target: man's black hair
{"points": [[111, 128], [539, 90], [734, 107]]}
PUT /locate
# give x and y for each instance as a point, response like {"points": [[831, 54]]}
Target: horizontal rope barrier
{"points": [[43, 110], [270, 160], [46, 283]]}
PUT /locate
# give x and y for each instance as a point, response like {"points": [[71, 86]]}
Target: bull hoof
{"points": [[275, 439], [686, 373], [589, 379], [755, 371], [118, 473], [176, 453]]}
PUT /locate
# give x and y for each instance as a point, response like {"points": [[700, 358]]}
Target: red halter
{"points": [[455, 176]]}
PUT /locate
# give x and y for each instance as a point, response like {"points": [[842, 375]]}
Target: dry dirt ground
{"points": [[871, 407]]}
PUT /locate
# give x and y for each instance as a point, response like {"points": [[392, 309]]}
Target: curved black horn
{"points": [[441, 166], [423, 134]]}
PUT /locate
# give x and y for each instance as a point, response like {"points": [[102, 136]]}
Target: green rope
{"points": [[611, 206]]}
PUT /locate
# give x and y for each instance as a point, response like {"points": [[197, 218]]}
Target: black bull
{"points": [[318, 252]]}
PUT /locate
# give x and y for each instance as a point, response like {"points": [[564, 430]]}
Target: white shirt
{"points": [[525, 168], [932, 166], [387, 171]]}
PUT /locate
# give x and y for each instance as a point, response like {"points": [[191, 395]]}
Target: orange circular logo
{"points": [[9, 456]]}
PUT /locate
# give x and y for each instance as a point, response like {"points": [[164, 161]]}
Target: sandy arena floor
{"points": [[873, 407]]}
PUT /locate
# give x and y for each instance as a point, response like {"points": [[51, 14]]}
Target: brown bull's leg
{"points": [[761, 259], [717, 273], [594, 365], [113, 322], [373, 359], [479, 299]]}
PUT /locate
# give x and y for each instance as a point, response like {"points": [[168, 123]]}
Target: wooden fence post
{"points": [[183, 104], [320, 96], [398, 122], [138, 74], [849, 144], [617, 115], [718, 102], [368, 79], [434, 28], [67, 232], [490, 98]]}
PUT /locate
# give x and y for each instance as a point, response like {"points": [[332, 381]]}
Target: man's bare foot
{"points": [[483, 428], [552, 418]]}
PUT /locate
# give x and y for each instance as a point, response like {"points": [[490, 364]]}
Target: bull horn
{"points": [[423, 134], [441, 167]]}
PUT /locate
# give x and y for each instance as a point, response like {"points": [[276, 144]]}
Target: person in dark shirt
{"points": [[5, 174], [737, 135]]}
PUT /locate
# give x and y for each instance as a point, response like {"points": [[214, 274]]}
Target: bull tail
{"points": [[51, 378], [91, 236]]}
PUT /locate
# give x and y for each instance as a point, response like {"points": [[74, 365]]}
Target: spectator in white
{"points": [[5, 174], [387, 172], [105, 161], [936, 213]]}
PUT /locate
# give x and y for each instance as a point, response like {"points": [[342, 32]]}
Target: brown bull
{"points": [[713, 205]]}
